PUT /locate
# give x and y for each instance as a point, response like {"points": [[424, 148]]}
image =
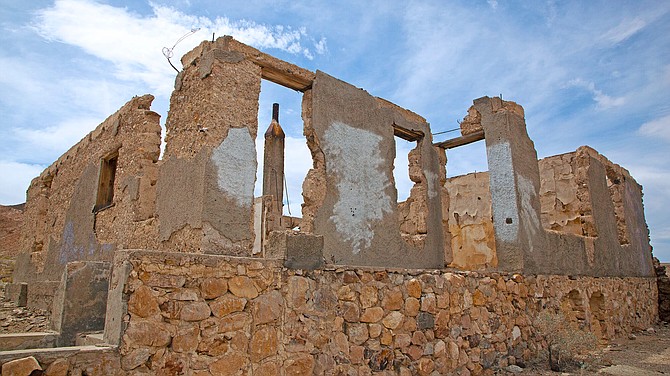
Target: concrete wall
{"points": [[60, 225], [592, 207], [352, 132]]}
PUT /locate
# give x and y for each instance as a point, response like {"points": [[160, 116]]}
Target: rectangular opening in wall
{"points": [[106, 182]]}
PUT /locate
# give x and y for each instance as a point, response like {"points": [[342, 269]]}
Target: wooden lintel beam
{"points": [[460, 141], [407, 134], [290, 81]]}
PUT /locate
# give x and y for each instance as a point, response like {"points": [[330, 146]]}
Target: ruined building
{"points": [[183, 271]]}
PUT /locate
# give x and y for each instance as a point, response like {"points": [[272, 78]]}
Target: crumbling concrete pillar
{"points": [[273, 163], [205, 188], [514, 182]]}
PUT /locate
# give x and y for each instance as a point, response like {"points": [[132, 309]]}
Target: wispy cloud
{"points": [[133, 43], [603, 101], [624, 30], [658, 128], [16, 178]]}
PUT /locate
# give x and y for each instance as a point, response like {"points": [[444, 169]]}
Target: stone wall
{"points": [[216, 314]]}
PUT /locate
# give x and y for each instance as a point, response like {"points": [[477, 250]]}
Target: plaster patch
{"points": [[432, 181], [235, 160], [353, 156], [503, 191], [531, 219]]}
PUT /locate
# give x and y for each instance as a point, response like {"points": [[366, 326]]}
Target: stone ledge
{"points": [[21, 341]]}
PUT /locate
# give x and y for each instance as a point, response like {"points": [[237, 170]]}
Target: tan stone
{"points": [[135, 358], [229, 323], [357, 354], [243, 287], [358, 333], [341, 343], [212, 288], [350, 312], [300, 365], [392, 300], [21, 367], [267, 369], [147, 333], [387, 337], [227, 304], [298, 290], [429, 303], [368, 296], [346, 293], [267, 307], [186, 339], [373, 314], [59, 367], [393, 320], [229, 364], [454, 352], [415, 352], [403, 340], [239, 342], [195, 311], [263, 343], [478, 298], [414, 288], [426, 366], [214, 345], [412, 306], [183, 295], [375, 330], [142, 302]]}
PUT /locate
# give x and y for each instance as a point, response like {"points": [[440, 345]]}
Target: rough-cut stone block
{"points": [[21, 367], [243, 287]]}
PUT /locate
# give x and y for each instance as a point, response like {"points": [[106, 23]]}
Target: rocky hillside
{"points": [[11, 220]]}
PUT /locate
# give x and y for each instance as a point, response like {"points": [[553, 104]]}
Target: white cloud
{"points": [[603, 101], [625, 30], [493, 3], [658, 128], [54, 140], [15, 178], [134, 43]]}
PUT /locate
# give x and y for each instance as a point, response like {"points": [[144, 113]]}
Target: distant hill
{"points": [[11, 221]]}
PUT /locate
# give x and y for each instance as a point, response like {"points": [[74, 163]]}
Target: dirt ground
{"points": [[644, 353], [15, 319]]}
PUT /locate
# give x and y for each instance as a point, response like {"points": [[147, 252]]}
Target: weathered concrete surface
{"points": [[358, 216], [595, 204], [205, 200], [22, 341], [60, 225], [469, 220], [81, 300]]}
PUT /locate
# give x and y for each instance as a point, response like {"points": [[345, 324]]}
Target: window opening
{"points": [[106, 182], [297, 157]]}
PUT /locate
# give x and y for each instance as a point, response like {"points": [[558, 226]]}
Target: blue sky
{"points": [[587, 73]]}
